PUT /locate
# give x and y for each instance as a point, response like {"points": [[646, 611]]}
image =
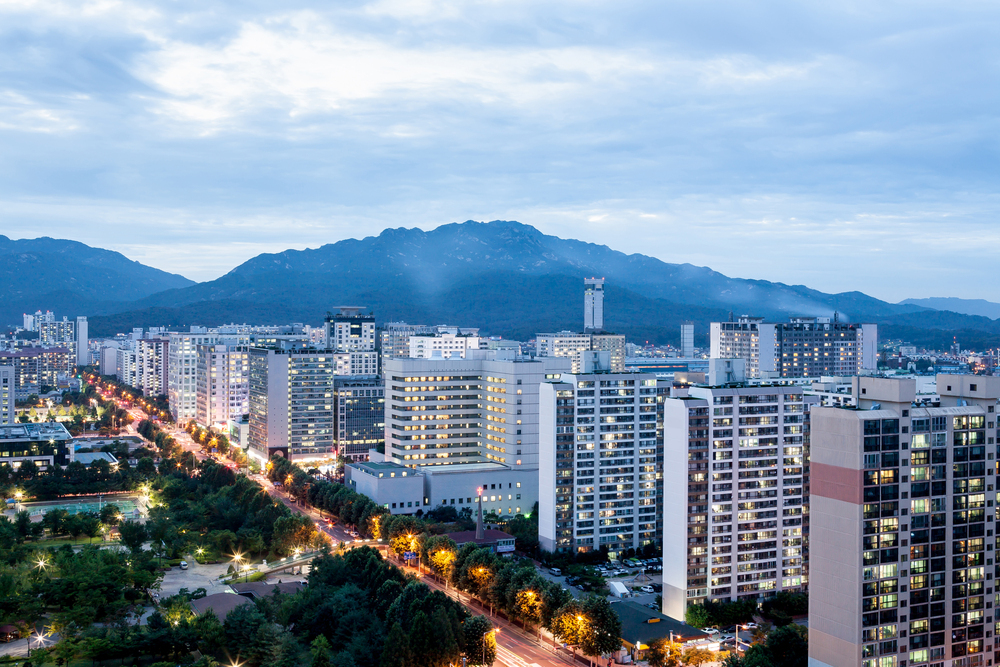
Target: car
{"points": [[184, 565], [710, 631], [727, 638], [657, 588], [646, 589], [750, 626], [555, 571]]}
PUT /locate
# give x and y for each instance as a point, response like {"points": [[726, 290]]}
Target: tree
{"points": [[664, 653], [789, 646], [133, 535], [109, 514], [696, 615], [697, 656], [396, 652], [320, 652], [603, 628], [480, 641]]}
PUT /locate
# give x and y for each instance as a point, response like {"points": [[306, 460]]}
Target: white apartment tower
{"points": [[734, 474], [182, 372], [593, 304], [574, 346], [223, 383], [597, 462], [351, 332], [152, 359]]}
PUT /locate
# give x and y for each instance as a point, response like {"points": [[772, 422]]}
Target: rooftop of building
{"points": [[640, 623], [88, 458], [380, 468], [39, 431], [490, 536], [219, 603], [259, 589]]}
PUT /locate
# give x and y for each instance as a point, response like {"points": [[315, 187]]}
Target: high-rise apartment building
{"points": [[597, 462], [7, 413], [358, 416], [593, 304], [152, 365], [902, 542], [182, 371], [59, 333], [734, 476], [38, 367], [127, 365], [223, 383], [351, 334], [291, 403], [574, 346], [801, 347]]}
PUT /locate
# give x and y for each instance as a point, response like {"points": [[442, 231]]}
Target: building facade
{"points": [[441, 346], [44, 444], [358, 416], [223, 383], [593, 304], [182, 371], [801, 347], [902, 526], [735, 460], [597, 469], [7, 413], [291, 403], [152, 365]]}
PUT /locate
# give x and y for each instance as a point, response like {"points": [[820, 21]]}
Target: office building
{"points": [[442, 345], [593, 304], [44, 444], [291, 403], [469, 423], [801, 347], [358, 416], [614, 344], [395, 338], [7, 412], [902, 542], [687, 340], [573, 346], [223, 383], [734, 474], [350, 330], [355, 363], [182, 371], [597, 462]]}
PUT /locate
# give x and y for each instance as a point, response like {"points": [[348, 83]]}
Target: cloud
{"points": [[844, 145]]}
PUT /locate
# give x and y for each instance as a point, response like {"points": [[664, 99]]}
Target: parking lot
{"points": [[632, 578]]}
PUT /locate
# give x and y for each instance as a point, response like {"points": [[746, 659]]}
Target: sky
{"points": [[845, 145]]}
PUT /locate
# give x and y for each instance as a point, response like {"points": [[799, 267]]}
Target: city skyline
{"points": [[842, 148]]}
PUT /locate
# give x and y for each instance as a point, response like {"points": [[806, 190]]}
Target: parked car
{"points": [[184, 565], [751, 626], [710, 631], [646, 589], [555, 571], [659, 589]]}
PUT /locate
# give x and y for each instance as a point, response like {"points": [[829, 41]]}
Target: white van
{"points": [[555, 571]]}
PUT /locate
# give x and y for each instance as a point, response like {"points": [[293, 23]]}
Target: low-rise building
{"points": [[44, 444]]}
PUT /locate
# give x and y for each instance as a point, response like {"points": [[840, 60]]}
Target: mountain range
{"points": [[505, 277]]}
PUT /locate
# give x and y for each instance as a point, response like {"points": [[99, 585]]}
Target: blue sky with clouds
{"points": [[848, 145]]}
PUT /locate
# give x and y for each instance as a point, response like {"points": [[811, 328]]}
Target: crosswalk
{"points": [[507, 657]]}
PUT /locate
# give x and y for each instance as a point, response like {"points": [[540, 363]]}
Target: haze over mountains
{"points": [[505, 277]]}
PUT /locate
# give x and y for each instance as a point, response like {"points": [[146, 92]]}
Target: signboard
{"points": [[410, 555], [505, 548]]}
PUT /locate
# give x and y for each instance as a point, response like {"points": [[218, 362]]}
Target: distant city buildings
{"points": [[593, 304], [573, 346], [7, 413], [801, 347], [223, 383]]}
